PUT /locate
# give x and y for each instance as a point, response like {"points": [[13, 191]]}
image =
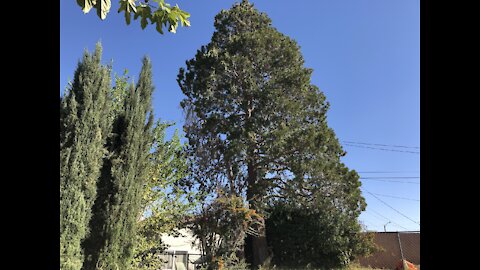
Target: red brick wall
{"points": [[389, 257]]}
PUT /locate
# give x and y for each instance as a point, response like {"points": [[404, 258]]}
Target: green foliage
{"points": [[118, 95], [165, 206], [221, 227], [257, 127], [118, 166], [314, 221], [232, 262], [226, 262], [267, 265], [320, 236], [83, 131], [164, 16], [125, 171]]}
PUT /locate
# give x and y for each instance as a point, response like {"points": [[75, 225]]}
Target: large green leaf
{"points": [[86, 5], [172, 17], [139, 12], [145, 12], [132, 5], [103, 7], [127, 6], [159, 27], [184, 18], [128, 17], [160, 18], [172, 28], [123, 6]]}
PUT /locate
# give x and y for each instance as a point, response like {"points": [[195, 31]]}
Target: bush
{"points": [[231, 262], [318, 237]]}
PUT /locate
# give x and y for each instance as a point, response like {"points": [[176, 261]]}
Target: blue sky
{"points": [[366, 59]]}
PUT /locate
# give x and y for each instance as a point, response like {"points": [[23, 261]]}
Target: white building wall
{"points": [[178, 246]]}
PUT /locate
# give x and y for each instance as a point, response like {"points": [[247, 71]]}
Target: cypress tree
{"points": [[83, 130], [117, 208]]}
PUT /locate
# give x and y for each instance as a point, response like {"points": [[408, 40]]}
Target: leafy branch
{"points": [[163, 15]]}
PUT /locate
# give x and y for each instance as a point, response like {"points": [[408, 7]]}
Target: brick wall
{"points": [[389, 257]]}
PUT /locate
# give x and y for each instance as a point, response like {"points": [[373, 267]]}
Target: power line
{"points": [[383, 149], [392, 207], [377, 216], [366, 222], [387, 219], [402, 198], [390, 181], [392, 177], [391, 172], [400, 146], [395, 224]]}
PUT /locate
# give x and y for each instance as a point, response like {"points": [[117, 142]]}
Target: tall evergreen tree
{"points": [[256, 125], [83, 130], [118, 205]]}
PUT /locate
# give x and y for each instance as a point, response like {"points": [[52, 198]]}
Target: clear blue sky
{"points": [[366, 59]]}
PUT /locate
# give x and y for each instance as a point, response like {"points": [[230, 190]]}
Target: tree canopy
{"points": [[83, 132], [118, 172], [257, 126], [117, 208]]}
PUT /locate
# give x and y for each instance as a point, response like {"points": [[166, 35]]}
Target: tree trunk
{"points": [[255, 246]]}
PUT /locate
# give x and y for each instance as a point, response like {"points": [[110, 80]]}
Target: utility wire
{"points": [[390, 181], [383, 149], [371, 223], [377, 216], [387, 219], [401, 198], [366, 222], [395, 224], [400, 146], [392, 207], [391, 172], [392, 177], [380, 215]]}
